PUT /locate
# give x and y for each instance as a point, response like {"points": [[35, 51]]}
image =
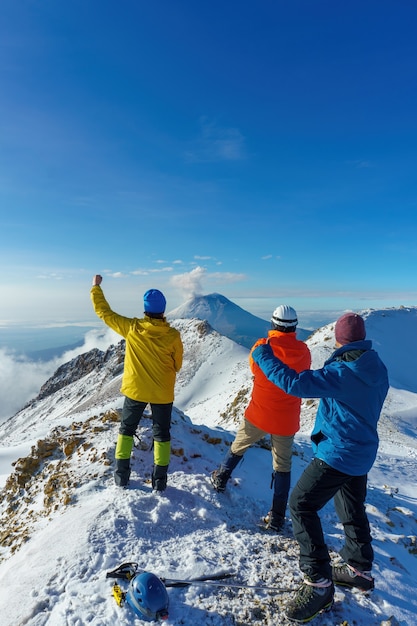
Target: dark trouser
{"points": [[281, 482], [161, 426], [132, 414], [318, 484]]}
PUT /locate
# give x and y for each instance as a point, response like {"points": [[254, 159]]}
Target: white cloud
{"points": [[154, 270], [190, 283], [52, 276], [97, 338], [21, 378], [360, 164], [217, 143], [226, 277]]}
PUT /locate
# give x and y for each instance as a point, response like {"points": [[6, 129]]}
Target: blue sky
{"points": [[266, 151]]}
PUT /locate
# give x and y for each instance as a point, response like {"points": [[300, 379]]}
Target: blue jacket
{"points": [[352, 393]]}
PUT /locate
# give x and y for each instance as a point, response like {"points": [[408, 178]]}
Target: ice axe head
{"points": [[126, 571]]}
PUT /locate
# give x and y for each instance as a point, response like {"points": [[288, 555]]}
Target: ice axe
{"points": [[127, 571]]}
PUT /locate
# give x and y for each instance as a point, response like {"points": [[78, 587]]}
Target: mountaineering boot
{"points": [[310, 599], [159, 477], [347, 576], [122, 472], [275, 519], [276, 516], [221, 475]]}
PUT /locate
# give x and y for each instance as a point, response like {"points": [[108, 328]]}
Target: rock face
{"points": [[82, 365], [46, 480]]}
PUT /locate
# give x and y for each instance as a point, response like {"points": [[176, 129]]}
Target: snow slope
{"points": [[64, 524], [227, 318]]}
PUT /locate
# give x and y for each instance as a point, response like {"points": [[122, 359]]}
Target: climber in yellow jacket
{"points": [[153, 356]]}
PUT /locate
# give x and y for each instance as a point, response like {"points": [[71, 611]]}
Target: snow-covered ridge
{"points": [[64, 524], [214, 371], [225, 316]]}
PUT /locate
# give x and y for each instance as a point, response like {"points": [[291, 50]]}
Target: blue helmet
{"points": [[148, 597]]}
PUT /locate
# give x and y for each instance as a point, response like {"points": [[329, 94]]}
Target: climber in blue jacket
{"points": [[352, 386]]}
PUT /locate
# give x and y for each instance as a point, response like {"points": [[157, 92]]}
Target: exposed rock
{"points": [[82, 365], [46, 480]]}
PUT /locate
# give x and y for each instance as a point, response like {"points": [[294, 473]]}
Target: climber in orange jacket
{"points": [[271, 412]]}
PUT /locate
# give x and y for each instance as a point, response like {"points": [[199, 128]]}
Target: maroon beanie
{"points": [[350, 327]]}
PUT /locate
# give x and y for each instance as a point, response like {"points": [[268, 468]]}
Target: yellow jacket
{"points": [[153, 353]]}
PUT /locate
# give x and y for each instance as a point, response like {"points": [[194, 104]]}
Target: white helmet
{"points": [[284, 316]]}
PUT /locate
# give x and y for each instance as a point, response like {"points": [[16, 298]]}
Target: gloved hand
{"points": [[262, 350]]}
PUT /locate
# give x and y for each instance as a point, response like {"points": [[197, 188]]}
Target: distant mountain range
{"points": [[227, 318]]}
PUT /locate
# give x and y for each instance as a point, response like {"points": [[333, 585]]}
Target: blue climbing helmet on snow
{"points": [[148, 597]]}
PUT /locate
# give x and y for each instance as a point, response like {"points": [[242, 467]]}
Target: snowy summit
{"points": [[225, 316], [64, 524]]}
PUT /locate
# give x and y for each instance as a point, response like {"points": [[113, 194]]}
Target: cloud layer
{"points": [[21, 378]]}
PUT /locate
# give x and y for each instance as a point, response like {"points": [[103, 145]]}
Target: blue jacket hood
{"points": [[368, 367]]}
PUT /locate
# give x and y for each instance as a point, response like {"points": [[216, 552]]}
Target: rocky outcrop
{"points": [[82, 365], [45, 481]]}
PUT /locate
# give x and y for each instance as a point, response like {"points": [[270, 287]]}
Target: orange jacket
{"points": [[270, 408]]}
